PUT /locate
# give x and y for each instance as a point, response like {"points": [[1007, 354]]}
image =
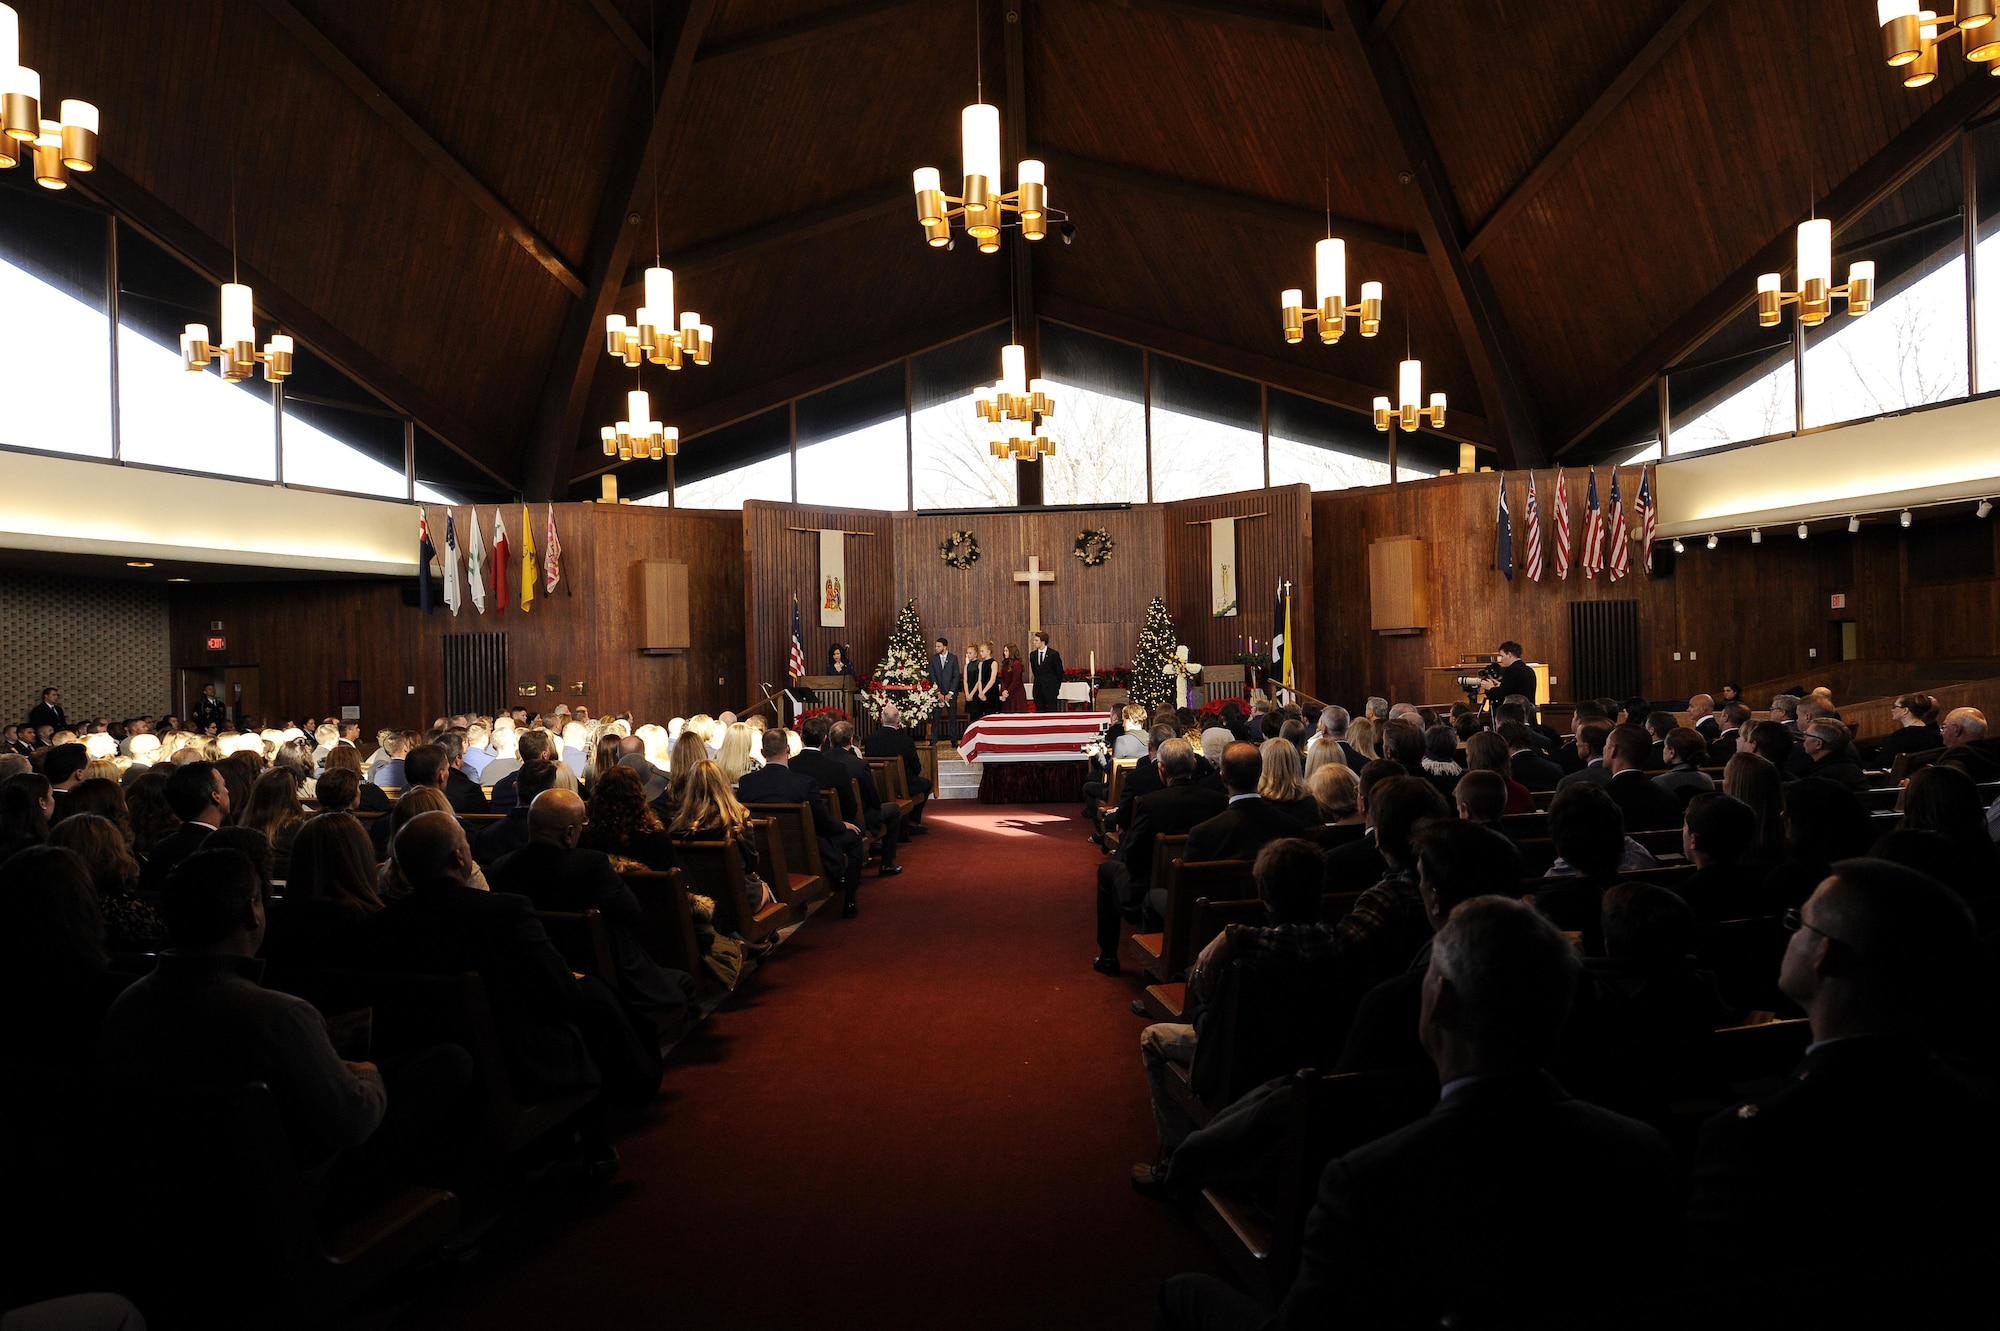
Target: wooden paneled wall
{"points": [[1741, 612], [779, 563], [305, 636], [1278, 545]]}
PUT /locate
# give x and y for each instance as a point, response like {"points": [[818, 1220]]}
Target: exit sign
{"points": [[1839, 601], [216, 642]]}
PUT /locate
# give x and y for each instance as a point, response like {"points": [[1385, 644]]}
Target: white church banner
{"points": [[1222, 567], [833, 579]]}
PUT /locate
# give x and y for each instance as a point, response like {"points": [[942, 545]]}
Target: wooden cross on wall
{"points": [[1035, 577]]}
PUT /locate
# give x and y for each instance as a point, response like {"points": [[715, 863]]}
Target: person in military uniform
{"points": [[1864, 1185]]}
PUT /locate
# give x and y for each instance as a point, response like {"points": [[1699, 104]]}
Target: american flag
{"points": [[1614, 521], [1648, 513], [1534, 533], [1593, 532], [1562, 525], [796, 666]]}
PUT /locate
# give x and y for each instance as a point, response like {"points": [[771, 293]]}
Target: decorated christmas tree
{"points": [[903, 675], [1152, 685]]}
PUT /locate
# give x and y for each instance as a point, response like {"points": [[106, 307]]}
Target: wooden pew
{"points": [[792, 825], [666, 922], [1187, 883], [1145, 948], [584, 940], [1328, 1115], [1167, 1001], [893, 782], [715, 869], [797, 890]]}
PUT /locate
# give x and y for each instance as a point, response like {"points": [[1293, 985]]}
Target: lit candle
{"points": [[1093, 663]]}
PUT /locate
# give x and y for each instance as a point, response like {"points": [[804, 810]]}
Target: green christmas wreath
{"points": [[1093, 547], [960, 549]]}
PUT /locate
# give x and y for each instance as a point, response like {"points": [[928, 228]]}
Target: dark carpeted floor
{"points": [[921, 1118]]}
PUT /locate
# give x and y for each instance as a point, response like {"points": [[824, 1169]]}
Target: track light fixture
{"points": [[1854, 524], [1985, 509], [1756, 536], [1713, 540], [1679, 548], [1905, 519], [1802, 531]]}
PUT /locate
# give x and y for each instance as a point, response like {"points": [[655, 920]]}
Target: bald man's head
{"points": [[556, 818], [631, 744], [431, 848]]}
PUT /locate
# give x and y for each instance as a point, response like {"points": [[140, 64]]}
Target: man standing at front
{"points": [[947, 679], [1045, 669]]}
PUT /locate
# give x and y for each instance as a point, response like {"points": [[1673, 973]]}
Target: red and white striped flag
{"points": [[1593, 531], [1649, 513], [1562, 525], [1534, 533], [796, 665], [1614, 521]]}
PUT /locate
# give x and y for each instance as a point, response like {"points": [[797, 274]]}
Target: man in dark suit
{"points": [[1529, 765], [1826, 748], [534, 745], [1591, 738], [1402, 1233], [1123, 880], [199, 798], [1715, 836], [557, 875], [1358, 865], [445, 926], [890, 740], [498, 840], [459, 786], [834, 769], [948, 679], [1045, 670], [1249, 822], [48, 712], [1701, 717], [840, 847], [1145, 778], [210, 712], [1875, 957], [1735, 719], [1647, 806]]}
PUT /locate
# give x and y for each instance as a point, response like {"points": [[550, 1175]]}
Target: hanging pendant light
{"points": [[1017, 408], [59, 146], [1815, 269], [1912, 34], [1331, 311], [1409, 411]]}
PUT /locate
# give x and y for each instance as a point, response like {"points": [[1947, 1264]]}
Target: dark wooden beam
{"points": [[1629, 78], [627, 35], [559, 419], [335, 61], [1020, 253], [789, 230], [802, 33], [1385, 17], [1241, 18], [140, 209], [1355, 397], [1846, 203], [1474, 310], [1221, 200], [723, 412]]}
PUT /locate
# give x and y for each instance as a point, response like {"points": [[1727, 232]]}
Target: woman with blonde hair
{"points": [[1281, 782], [1323, 752], [690, 752], [1337, 791], [710, 811], [738, 753], [1361, 738]]}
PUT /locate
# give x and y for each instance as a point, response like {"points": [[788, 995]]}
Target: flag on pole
{"points": [[796, 666], [1562, 525], [527, 560], [1593, 532], [475, 563], [500, 561], [1274, 673], [1648, 513], [1614, 521], [1503, 557], [426, 552], [552, 558], [1291, 681], [1534, 533], [452, 596]]}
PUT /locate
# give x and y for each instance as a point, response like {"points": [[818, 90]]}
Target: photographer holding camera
{"points": [[1510, 675]]}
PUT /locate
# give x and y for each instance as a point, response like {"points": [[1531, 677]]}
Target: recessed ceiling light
{"points": [[138, 563], [177, 579]]}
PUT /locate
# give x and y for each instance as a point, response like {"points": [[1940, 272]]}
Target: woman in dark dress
{"points": [[1013, 696], [839, 663], [329, 895], [1915, 715], [982, 682], [622, 824]]}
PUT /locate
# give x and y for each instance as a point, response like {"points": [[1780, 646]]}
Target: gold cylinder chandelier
{"points": [[652, 333], [1332, 310], [1017, 408], [983, 207], [57, 147], [1911, 35], [238, 350], [639, 435], [1816, 290], [1409, 411]]}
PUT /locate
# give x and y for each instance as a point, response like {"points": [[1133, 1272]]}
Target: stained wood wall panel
{"points": [[305, 636], [778, 563], [1279, 545]]}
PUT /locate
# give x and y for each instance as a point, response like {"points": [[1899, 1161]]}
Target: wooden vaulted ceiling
{"points": [[446, 198]]}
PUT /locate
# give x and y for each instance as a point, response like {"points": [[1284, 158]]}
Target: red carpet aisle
{"points": [[921, 1118]]}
